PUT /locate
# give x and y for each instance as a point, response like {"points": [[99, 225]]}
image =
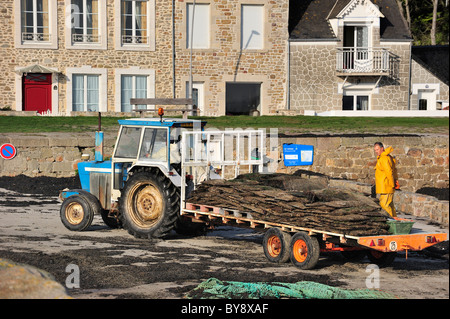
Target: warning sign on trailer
{"points": [[7, 151]]}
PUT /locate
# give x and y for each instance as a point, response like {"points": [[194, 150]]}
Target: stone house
{"points": [[68, 56], [263, 57], [349, 57], [430, 78]]}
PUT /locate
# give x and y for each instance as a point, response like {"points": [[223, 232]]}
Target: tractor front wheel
{"points": [[76, 213]]}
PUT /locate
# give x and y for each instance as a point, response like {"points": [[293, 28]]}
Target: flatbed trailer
{"points": [[302, 245], [281, 242]]}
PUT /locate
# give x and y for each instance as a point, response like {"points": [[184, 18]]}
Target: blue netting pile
{"points": [[216, 289]]}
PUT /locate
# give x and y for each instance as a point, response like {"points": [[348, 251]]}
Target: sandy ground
{"points": [[113, 264]]}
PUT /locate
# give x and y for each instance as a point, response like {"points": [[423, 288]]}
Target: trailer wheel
{"points": [[76, 213], [354, 255], [381, 259], [276, 245], [149, 204], [304, 251]]}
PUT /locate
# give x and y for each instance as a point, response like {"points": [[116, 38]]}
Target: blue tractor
{"points": [[139, 188]]}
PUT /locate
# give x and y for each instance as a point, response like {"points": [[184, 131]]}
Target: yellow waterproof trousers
{"points": [[387, 203]]}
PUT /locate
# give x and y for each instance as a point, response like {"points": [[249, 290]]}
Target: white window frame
{"points": [[52, 42], [101, 44], [199, 24], [200, 87], [151, 28], [86, 91], [432, 88], [243, 37], [133, 71], [355, 96], [102, 86]]}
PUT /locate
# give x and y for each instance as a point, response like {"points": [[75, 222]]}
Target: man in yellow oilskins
{"points": [[385, 178]]}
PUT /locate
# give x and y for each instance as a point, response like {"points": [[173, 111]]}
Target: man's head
{"points": [[378, 148]]}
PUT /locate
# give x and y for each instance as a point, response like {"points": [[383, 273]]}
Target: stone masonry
{"points": [[423, 161], [223, 62], [315, 86]]}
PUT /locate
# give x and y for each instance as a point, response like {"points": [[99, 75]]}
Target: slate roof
{"points": [[434, 58], [308, 19]]}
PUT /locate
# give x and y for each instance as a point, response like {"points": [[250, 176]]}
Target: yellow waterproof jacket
{"points": [[385, 173]]}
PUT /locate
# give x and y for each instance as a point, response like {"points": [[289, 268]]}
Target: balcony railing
{"points": [[362, 61], [35, 37], [85, 38], [134, 39]]}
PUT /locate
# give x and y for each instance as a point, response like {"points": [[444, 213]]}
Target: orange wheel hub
{"points": [[300, 250], [274, 246]]}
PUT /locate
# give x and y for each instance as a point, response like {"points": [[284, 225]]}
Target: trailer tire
{"points": [[276, 245], [76, 213], [304, 251], [149, 204], [381, 259], [354, 255]]}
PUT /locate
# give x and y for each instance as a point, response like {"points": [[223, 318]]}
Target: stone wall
{"points": [[314, 84], [423, 161], [422, 79], [49, 154], [405, 202]]}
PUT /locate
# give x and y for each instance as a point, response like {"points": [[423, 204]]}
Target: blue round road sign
{"points": [[7, 151]]}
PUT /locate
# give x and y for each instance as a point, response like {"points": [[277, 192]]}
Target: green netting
{"points": [[216, 289]]}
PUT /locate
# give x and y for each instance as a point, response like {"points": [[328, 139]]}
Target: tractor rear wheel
{"points": [[149, 204]]}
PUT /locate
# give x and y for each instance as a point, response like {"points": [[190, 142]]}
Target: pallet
{"points": [[218, 215], [383, 243], [219, 210]]}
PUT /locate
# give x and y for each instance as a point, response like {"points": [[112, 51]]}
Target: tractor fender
{"points": [[172, 175], [66, 193]]}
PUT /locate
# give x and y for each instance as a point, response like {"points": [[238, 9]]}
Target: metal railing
{"points": [[362, 60], [35, 37], [206, 154], [134, 39], [85, 38]]}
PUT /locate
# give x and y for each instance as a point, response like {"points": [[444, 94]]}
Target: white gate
{"points": [[220, 154]]}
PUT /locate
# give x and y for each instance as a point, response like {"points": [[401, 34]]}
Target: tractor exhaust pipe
{"points": [[99, 140]]}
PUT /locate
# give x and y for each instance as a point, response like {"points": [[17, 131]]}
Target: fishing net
{"points": [[216, 289]]}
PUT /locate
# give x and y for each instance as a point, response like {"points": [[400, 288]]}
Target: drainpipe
{"points": [[173, 49], [410, 74], [190, 51], [288, 82]]}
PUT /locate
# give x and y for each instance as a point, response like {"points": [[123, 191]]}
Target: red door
{"points": [[37, 92]]}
